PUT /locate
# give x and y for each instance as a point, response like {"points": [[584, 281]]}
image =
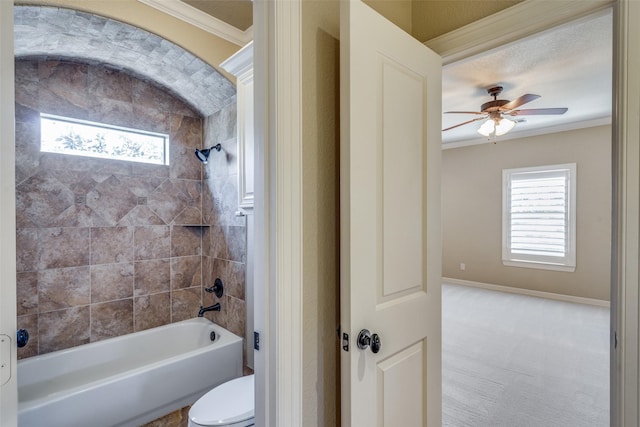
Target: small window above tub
{"points": [[65, 135]]}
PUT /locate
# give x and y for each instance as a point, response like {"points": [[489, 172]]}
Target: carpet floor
{"points": [[517, 361]]}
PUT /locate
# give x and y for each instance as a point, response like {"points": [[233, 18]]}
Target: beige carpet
{"points": [[517, 361]]}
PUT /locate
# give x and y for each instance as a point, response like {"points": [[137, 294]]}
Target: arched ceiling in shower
{"points": [[58, 33]]}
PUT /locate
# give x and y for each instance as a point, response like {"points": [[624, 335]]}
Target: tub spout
{"points": [[203, 310]]}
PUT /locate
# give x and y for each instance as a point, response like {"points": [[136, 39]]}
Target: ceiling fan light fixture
{"points": [[504, 126], [487, 128]]}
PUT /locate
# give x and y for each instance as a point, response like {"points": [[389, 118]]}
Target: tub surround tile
{"points": [[102, 250], [150, 170], [224, 192], [152, 277], [236, 239], [63, 329], [186, 272], [207, 271], [225, 163], [30, 323], [141, 185], [40, 199], [190, 215], [167, 201], [63, 247], [112, 111], [141, 215], [187, 131], [67, 80], [111, 319], [80, 215], [185, 303], [111, 245], [112, 199], [28, 248], [27, 156], [149, 117], [152, 242], [218, 242], [232, 275], [63, 288], [186, 241], [180, 158], [106, 82], [111, 282], [26, 293], [150, 311], [236, 316], [150, 96], [219, 317]]}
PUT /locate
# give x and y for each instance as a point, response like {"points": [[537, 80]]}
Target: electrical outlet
{"points": [[462, 266]]}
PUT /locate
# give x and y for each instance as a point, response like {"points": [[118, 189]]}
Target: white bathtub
{"points": [[128, 380]]}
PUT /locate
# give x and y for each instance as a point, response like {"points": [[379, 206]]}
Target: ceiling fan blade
{"points": [[519, 101], [463, 112], [537, 111], [464, 123]]}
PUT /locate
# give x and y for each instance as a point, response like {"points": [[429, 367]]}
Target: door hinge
{"points": [[615, 340], [256, 340]]}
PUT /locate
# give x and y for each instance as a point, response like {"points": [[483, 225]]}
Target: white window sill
{"points": [[539, 265]]}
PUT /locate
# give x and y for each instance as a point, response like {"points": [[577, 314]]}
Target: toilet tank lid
{"points": [[228, 403]]}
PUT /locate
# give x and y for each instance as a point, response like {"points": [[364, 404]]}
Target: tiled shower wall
{"points": [[107, 247], [224, 250]]}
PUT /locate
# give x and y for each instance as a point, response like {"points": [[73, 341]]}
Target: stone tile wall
{"points": [[104, 247], [224, 249]]}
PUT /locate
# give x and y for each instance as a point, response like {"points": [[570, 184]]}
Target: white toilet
{"points": [[230, 404]]}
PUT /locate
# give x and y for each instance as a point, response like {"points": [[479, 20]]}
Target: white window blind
{"points": [[539, 217]]}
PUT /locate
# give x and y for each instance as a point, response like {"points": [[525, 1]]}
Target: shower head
{"points": [[203, 155]]}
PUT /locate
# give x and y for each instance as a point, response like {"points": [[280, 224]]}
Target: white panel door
{"points": [[8, 382], [390, 223]]}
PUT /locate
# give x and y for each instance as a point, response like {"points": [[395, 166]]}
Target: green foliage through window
{"points": [[82, 138]]}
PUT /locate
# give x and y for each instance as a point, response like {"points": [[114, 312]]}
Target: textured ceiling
{"points": [[569, 66]]}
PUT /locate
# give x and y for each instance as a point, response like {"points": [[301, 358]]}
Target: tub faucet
{"points": [[203, 310]]}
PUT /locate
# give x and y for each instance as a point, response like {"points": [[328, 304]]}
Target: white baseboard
{"points": [[529, 292]]}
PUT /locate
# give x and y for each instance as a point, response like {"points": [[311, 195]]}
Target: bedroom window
{"points": [[539, 217], [83, 138]]}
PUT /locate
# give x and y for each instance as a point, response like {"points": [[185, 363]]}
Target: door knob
{"points": [[366, 339]]}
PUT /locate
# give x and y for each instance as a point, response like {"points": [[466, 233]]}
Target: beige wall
{"points": [[432, 18], [426, 19], [472, 211], [206, 46], [396, 11], [320, 159]]}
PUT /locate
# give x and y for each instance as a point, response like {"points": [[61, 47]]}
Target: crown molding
{"points": [[603, 121], [198, 18], [240, 62], [511, 24]]}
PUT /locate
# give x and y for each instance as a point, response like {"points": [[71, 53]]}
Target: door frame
{"points": [[8, 321], [531, 17], [278, 124]]}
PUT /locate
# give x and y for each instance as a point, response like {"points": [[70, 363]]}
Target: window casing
{"points": [[539, 217], [65, 135]]}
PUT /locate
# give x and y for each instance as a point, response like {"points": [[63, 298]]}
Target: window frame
{"points": [[566, 263], [97, 125]]}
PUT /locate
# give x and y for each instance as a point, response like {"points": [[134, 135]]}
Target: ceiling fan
{"points": [[494, 111]]}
